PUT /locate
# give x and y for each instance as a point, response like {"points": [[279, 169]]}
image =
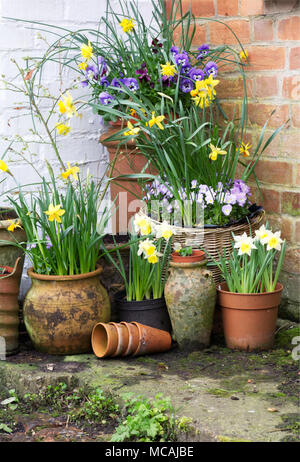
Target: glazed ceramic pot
{"points": [[249, 320], [190, 295], [61, 311]]}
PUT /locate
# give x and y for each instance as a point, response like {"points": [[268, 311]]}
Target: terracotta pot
{"points": [[61, 311], [249, 320], [9, 253], [104, 339], [197, 255], [9, 308], [123, 338], [126, 192], [152, 340], [190, 295], [133, 338]]}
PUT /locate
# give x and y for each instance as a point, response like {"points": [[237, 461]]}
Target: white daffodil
{"points": [[274, 241], [244, 243], [147, 248], [164, 230], [142, 225], [177, 246], [263, 234]]}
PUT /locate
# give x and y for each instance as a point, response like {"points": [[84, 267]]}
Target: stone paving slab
{"points": [[231, 396]]}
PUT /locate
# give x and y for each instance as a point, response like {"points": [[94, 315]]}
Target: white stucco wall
{"points": [[18, 40]]}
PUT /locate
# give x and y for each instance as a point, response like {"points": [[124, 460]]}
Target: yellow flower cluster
{"points": [[127, 25], [204, 92], [147, 248]]}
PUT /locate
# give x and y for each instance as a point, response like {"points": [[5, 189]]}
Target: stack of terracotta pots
{"points": [[128, 339]]}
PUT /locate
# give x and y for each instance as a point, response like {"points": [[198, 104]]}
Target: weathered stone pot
{"points": [[61, 311], [190, 295]]}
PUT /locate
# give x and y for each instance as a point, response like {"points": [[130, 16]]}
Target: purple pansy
{"points": [[211, 68], [117, 83], [174, 50], [196, 74], [143, 73], [104, 82], [186, 85], [227, 209], [182, 59], [156, 44], [106, 98], [91, 72], [203, 51], [102, 66], [131, 83]]}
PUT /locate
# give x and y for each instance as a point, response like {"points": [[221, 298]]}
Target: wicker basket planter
{"points": [[214, 239]]}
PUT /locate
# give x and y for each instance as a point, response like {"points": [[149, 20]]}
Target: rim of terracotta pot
{"points": [[225, 292], [197, 255], [9, 269], [191, 264], [73, 277], [106, 349]]}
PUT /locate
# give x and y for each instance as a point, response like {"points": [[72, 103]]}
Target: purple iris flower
{"points": [[186, 85], [105, 98], [211, 68], [203, 51], [174, 50], [131, 83], [196, 74], [182, 60]]}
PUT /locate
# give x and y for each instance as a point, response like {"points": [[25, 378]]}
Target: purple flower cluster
{"points": [[233, 201]]}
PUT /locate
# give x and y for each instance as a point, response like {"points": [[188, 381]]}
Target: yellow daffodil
{"points": [[244, 55], [127, 25], [13, 225], [244, 149], [71, 171], [87, 51], [274, 241], [244, 243], [168, 69], [215, 152], [211, 83], [194, 93], [83, 66], [55, 212], [153, 258], [67, 106], [132, 130], [3, 166], [62, 129], [156, 121]]}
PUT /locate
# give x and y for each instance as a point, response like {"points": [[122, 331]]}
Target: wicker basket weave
{"points": [[213, 240]]}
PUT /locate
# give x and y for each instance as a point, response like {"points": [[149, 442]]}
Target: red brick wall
{"points": [[270, 32]]}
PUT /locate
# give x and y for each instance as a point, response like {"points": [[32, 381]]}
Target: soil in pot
{"points": [[151, 313]]}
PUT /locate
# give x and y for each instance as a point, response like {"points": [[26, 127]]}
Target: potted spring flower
{"points": [[64, 235], [250, 296], [190, 295], [143, 300]]}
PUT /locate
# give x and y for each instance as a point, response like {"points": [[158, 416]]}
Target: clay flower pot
{"points": [[9, 307], [104, 339], [152, 340], [61, 311], [123, 339], [249, 320], [133, 338], [197, 255]]}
